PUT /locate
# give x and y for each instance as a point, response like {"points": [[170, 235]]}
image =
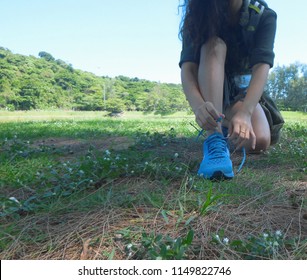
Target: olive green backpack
{"points": [[251, 16], [274, 117]]}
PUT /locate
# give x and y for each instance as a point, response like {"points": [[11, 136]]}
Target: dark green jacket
{"points": [[244, 48]]}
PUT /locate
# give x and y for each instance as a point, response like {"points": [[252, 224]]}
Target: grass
{"points": [[22, 116], [81, 185]]}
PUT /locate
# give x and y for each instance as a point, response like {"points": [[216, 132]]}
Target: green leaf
{"points": [[164, 215], [189, 238], [191, 219], [112, 254]]}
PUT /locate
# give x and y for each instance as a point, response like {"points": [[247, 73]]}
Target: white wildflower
{"points": [[14, 199], [176, 155], [226, 241], [107, 152], [278, 233], [265, 235]]}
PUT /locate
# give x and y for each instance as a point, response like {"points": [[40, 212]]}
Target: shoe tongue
{"points": [[215, 136], [216, 145]]}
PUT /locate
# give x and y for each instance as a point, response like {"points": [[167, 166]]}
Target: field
{"points": [[81, 185]]}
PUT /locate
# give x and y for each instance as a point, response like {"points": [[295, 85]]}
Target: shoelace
{"points": [[243, 160], [200, 133], [217, 148]]}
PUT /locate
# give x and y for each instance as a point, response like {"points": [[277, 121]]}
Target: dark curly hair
{"points": [[203, 19]]}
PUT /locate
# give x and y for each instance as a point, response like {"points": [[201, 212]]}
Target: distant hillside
{"points": [[28, 82]]}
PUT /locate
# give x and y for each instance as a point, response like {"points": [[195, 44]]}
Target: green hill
{"points": [[28, 82], [43, 82]]}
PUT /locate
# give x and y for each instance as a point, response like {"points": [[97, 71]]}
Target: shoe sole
{"points": [[219, 176]]}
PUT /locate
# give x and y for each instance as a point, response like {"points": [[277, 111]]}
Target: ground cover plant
{"points": [[87, 186]]}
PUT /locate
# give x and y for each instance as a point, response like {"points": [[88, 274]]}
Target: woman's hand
{"points": [[241, 130], [206, 116]]}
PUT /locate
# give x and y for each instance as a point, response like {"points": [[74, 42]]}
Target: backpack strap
{"points": [[251, 13], [255, 15]]}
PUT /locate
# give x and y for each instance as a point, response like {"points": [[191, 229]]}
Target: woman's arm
{"points": [[255, 90], [189, 74], [240, 127], [205, 113]]}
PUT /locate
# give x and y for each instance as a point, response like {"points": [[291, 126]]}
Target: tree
{"points": [[297, 95], [46, 56], [287, 86], [115, 106]]}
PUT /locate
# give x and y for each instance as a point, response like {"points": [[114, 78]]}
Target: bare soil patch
{"points": [[103, 143], [79, 147]]}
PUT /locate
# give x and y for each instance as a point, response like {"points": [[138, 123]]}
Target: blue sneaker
{"points": [[216, 163]]}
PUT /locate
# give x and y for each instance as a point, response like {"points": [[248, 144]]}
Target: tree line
{"points": [[287, 85], [28, 82], [43, 82]]}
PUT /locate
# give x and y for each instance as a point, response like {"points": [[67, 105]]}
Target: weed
{"points": [[210, 203], [160, 247], [267, 245]]}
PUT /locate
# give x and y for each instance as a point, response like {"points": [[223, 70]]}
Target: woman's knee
{"points": [[214, 46], [261, 129], [263, 142]]}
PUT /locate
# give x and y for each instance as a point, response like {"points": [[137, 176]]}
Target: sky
{"points": [[134, 38]]}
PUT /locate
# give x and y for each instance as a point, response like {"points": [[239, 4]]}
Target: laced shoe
{"points": [[216, 163]]}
